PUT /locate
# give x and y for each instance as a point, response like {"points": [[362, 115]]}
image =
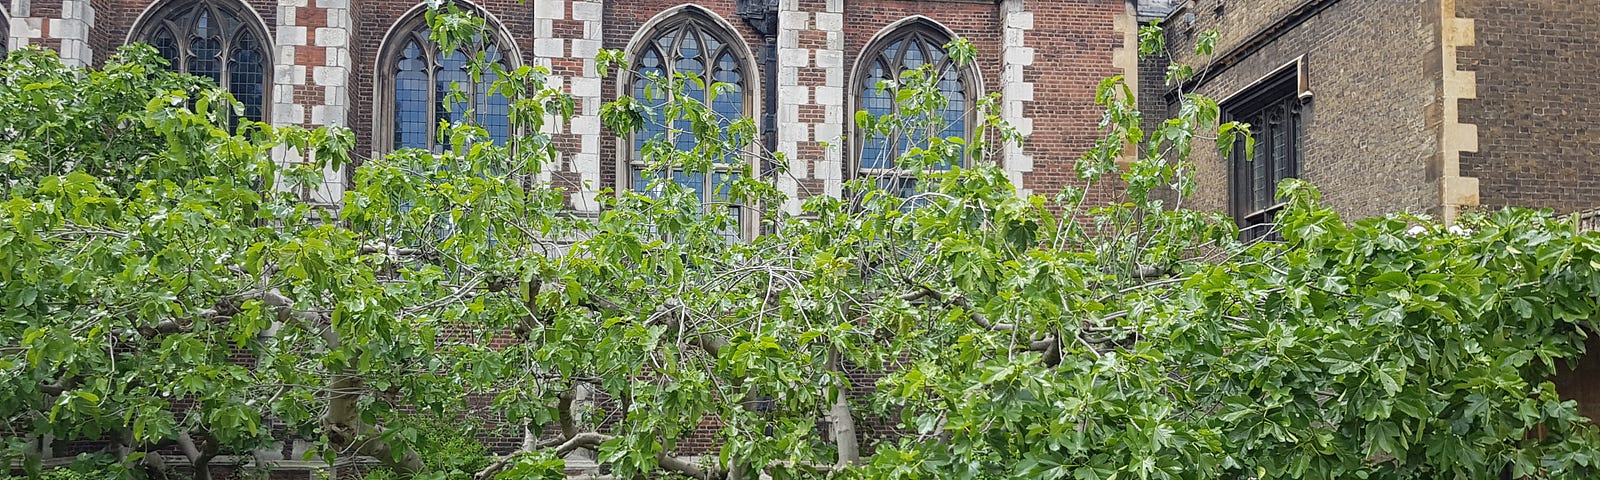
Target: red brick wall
{"points": [[1072, 42]]}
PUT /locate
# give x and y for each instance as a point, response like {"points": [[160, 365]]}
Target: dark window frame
{"points": [[1276, 111], [239, 27]]}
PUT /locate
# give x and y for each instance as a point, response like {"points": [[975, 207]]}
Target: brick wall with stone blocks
{"points": [[61, 25], [1371, 122], [1073, 43], [1538, 145]]}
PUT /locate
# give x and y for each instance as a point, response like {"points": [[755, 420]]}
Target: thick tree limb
{"points": [[841, 422], [591, 441], [959, 301], [343, 417]]}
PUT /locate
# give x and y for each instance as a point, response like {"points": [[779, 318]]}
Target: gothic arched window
{"points": [[416, 81], [216, 39], [688, 42], [909, 47]]}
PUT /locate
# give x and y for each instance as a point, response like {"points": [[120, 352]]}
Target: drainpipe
{"points": [[762, 15]]}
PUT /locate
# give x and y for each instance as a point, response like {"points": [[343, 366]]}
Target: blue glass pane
{"points": [[684, 139], [877, 102], [641, 182], [247, 75], [411, 121], [643, 88], [913, 59], [722, 185], [167, 46], [689, 49], [452, 76], [206, 45], [730, 104], [695, 182]]}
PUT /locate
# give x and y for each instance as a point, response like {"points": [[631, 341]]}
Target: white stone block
{"points": [[339, 18], [586, 125], [793, 57], [836, 40], [289, 74], [66, 28], [585, 48], [829, 132], [341, 4], [338, 96], [291, 114], [291, 35], [830, 59], [835, 6], [1013, 37], [794, 132], [543, 28], [549, 48], [1019, 162], [794, 20], [834, 77], [830, 95], [282, 93], [293, 3], [1011, 73], [589, 144], [794, 95], [552, 9], [1022, 20], [788, 38], [23, 27], [587, 11], [586, 86], [332, 37], [1019, 56], [586, 162], [830, 21], [1020, 91], [286, 14], [1024, 125], [283, 55], [788, 76], [330, 76], [788, 113], [327, 115]]}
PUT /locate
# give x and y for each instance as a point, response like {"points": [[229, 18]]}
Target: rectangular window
{"points": [[1272, 108]]}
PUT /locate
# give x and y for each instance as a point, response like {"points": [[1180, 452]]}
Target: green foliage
{"points": [[449, 446], [163, 281]]}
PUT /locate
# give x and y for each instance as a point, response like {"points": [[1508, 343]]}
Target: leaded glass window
{"points": [[1273, 110], [218, 40], [690, 44], [417, 92], [879, 73]]}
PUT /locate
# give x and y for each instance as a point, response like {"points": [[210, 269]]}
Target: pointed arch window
{"points": [[416, 84], [911, 47], [216, 39], [689, 43]]}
